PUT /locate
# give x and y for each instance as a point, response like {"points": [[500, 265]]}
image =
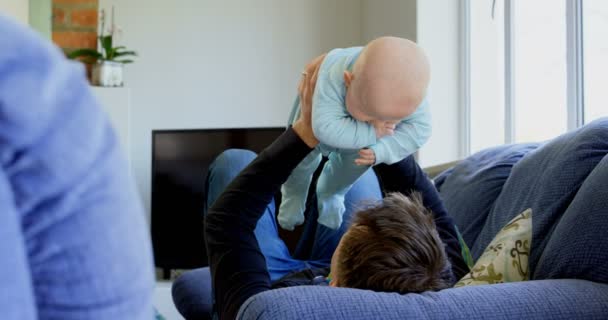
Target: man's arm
{"points": [[238, 267], [405, 177]]}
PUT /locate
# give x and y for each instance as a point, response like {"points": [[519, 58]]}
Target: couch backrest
{"points": [[469, 190], [561, 181], [578, 246]]}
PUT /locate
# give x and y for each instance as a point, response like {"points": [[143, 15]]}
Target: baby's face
{"points": [[386, 109]]}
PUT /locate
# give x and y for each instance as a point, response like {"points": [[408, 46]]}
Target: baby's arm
{"points": [[409, 136], [337, 129], [331, 123]]}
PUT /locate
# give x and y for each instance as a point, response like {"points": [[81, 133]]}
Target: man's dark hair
{"points": [[394, 247]]}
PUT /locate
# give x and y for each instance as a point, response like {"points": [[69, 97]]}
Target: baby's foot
{"points": [[291, 213], [331, 210]]}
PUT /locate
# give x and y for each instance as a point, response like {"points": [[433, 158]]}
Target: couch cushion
{"points": [[470, 189], [578, 247], [546, 180], [506, 257]]}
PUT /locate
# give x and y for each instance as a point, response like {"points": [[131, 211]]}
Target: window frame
{"points": [[574, 72], [575, 63]]}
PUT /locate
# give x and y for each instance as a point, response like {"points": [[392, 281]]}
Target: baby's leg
{"points": [[338, 175], [295, 191]]}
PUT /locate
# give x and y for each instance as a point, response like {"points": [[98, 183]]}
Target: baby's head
{"points": [[389, 80]]}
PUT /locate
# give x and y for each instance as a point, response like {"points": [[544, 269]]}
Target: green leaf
{"points": [[85, 54], [111, 54], [124, 61], [106, 44], [124, 53]]}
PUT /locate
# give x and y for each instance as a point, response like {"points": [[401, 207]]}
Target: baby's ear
{"points": [[348, 77]]}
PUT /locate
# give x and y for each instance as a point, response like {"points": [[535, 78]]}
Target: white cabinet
{"points": [[117, 104]]}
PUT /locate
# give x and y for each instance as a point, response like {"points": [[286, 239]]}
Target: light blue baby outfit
{"points": [[341, 137]]}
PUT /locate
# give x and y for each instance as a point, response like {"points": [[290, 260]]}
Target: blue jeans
{"points": [[317, 243]]}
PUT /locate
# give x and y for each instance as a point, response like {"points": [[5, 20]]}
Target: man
{"points": [[394, 246]]}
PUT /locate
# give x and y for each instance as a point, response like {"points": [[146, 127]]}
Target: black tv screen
{"points": [[180, 162]]}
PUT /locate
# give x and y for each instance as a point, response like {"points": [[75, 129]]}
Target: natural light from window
{"points": [[487, 75], [595, 37], [540, 60], [540, 81]]}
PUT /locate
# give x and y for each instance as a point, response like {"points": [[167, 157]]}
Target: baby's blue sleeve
{"points": [[332, 125], [410, 135]]}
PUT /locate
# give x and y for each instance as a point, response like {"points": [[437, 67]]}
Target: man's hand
{"points": [[306, 89], [384, 128], [303, 126], [367, 157]]}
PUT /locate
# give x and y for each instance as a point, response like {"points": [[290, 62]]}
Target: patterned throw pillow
{"points": [[506, 257]]}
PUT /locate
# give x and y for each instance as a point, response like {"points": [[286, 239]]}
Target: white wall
{"points": [[438, 24], [41, 16], [221, 63], [18, 9], [388, 17], [236, 63]]}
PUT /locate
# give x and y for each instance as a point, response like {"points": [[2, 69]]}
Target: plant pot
{"points": [[107, 74]]}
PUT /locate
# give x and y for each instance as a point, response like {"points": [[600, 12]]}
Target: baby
{"points": [[368, 108]]}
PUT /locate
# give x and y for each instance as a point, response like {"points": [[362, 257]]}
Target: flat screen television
{"points": [[180, 161]]}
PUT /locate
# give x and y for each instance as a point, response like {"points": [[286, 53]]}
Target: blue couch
{"points": [[564, 181]]}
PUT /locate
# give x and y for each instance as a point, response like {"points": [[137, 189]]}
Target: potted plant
{"points": [[109, 62]]}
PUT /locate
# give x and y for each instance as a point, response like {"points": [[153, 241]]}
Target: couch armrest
{"points": [[545, 299], [434, 171]]}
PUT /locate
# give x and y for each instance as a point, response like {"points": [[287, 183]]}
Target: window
{"points": [[539, 69], [534, 69], [595, 35], [487, 102]]}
